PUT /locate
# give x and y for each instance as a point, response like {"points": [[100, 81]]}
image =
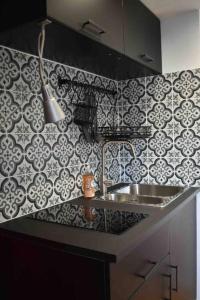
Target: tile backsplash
{"points": [[170, 104], [41, 165]]}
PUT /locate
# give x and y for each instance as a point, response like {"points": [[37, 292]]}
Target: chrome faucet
{"points": [[105, 182]]}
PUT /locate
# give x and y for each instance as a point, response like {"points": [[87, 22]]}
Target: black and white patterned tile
{"points": [[135, 171], [38, 152], [160, 171], [133, 90], [188, 172], [160, 144], [159, 116], [64, 184], [133, 116], [9, 70], [159, 87], [188, 143], [187, 113], [39, 191], [33, 112], [11, 155], [45, 162], [42, 165], [112, 170], [186, 84], [172, 106], [12, 196], [10, 113], [30, 75]]}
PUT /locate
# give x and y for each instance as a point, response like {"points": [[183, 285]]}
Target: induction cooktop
{"points": [[90, 218]]}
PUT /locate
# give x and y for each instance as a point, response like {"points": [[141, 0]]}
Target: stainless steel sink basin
{"points": [[146, 194], [151, 190], [126, 198]]}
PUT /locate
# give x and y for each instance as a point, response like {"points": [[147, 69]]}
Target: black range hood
{"points": [[63, 44]]}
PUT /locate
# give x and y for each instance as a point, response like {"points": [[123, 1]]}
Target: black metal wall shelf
{"points": [[124, 132], [63, 81]]}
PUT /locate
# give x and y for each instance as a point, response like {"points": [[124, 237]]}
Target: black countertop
{"points": [[92, 243]]}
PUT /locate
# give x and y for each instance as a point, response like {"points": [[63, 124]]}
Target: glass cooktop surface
{"points": [[91, 218]]}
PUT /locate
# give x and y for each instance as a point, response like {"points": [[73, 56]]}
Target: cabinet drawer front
{"points": [[124, 275], [142, 35], [105, 15]]}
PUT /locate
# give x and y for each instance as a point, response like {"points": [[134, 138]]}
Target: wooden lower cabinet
{"points": [[144, 272], [32, 270], [173, 248], [163, 266], [183, 252]]}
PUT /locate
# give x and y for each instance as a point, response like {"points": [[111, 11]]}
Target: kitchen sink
{"points": [[124, 198], [151, 190], [146, 194]]}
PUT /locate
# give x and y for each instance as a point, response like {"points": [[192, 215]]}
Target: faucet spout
{"points": [[104, 181]]}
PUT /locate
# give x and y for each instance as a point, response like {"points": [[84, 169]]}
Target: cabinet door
{"points": [[142, 34], [183, 252], [144, 259], [45, 272], [104, 15]]}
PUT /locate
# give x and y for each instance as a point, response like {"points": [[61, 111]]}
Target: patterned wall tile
{"points": [[172, 106], [186, 84], [112, 170], [159, 87], [44, 163], [10, 113], [12, 196], [133, 90], [135, 170], [11, 155], [160, 144], [133, 116], [30, 75], [64, 185], [159, 116], [161, 171], [33, 112], [188, 143], [9, 70], [40, 190], [38, 152], [188, 172], [63, 150], [187, 113]]}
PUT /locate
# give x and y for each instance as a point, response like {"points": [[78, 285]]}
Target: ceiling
{"points": [[165, 8]]}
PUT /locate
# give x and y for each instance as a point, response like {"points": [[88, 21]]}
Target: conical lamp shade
{"points": [[52, 110]]}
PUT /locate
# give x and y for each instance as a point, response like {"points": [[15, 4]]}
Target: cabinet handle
{"points": [[176, 269], [155, 266], [146, 58], [147, 276], [93, 27], [169, 276]]}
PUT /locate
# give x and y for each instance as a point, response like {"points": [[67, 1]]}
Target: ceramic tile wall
{"points": [[170, 104], [41, 165]]}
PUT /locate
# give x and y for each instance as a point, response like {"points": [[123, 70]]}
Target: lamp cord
{"points": [[41, 41]]}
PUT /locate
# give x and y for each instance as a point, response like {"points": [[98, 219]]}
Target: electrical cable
{"points": [[41, 41]]}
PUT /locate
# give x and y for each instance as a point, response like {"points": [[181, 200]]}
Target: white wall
{"points": [[180, 36]]}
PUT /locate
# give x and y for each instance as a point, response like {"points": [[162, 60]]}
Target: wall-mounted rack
{"points": [[62, 81], [123, 132]]}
